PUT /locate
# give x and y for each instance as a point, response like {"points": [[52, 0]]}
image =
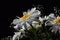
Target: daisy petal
{"points": [[32, 10], [27, 24], [24, 13], [34, 22], [16, 21], [16, 26]]}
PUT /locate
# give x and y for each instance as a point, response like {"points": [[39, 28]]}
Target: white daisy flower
{"points": [[53, 21], [28, 17], [19, 34]]}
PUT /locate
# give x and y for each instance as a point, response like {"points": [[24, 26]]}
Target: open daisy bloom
{"points": [[54, 22], [26, 20], [27, 16]]}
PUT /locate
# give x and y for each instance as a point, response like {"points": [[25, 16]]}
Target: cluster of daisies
{"points": [[33, 17]]}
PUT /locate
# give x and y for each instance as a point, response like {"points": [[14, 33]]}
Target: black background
{"points": [[11, 9]]}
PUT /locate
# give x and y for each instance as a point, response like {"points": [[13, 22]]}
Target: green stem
{"points": [[35, 35]]}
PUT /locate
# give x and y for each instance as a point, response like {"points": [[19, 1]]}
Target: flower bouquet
{"points": [[32, 26]]}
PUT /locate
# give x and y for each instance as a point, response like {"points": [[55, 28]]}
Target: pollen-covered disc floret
{"points": [[57, 20], [54, 22], [25, 17]]}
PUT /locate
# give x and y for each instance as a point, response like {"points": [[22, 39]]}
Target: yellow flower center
{"points": [[57, 20], [25, 17]]}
